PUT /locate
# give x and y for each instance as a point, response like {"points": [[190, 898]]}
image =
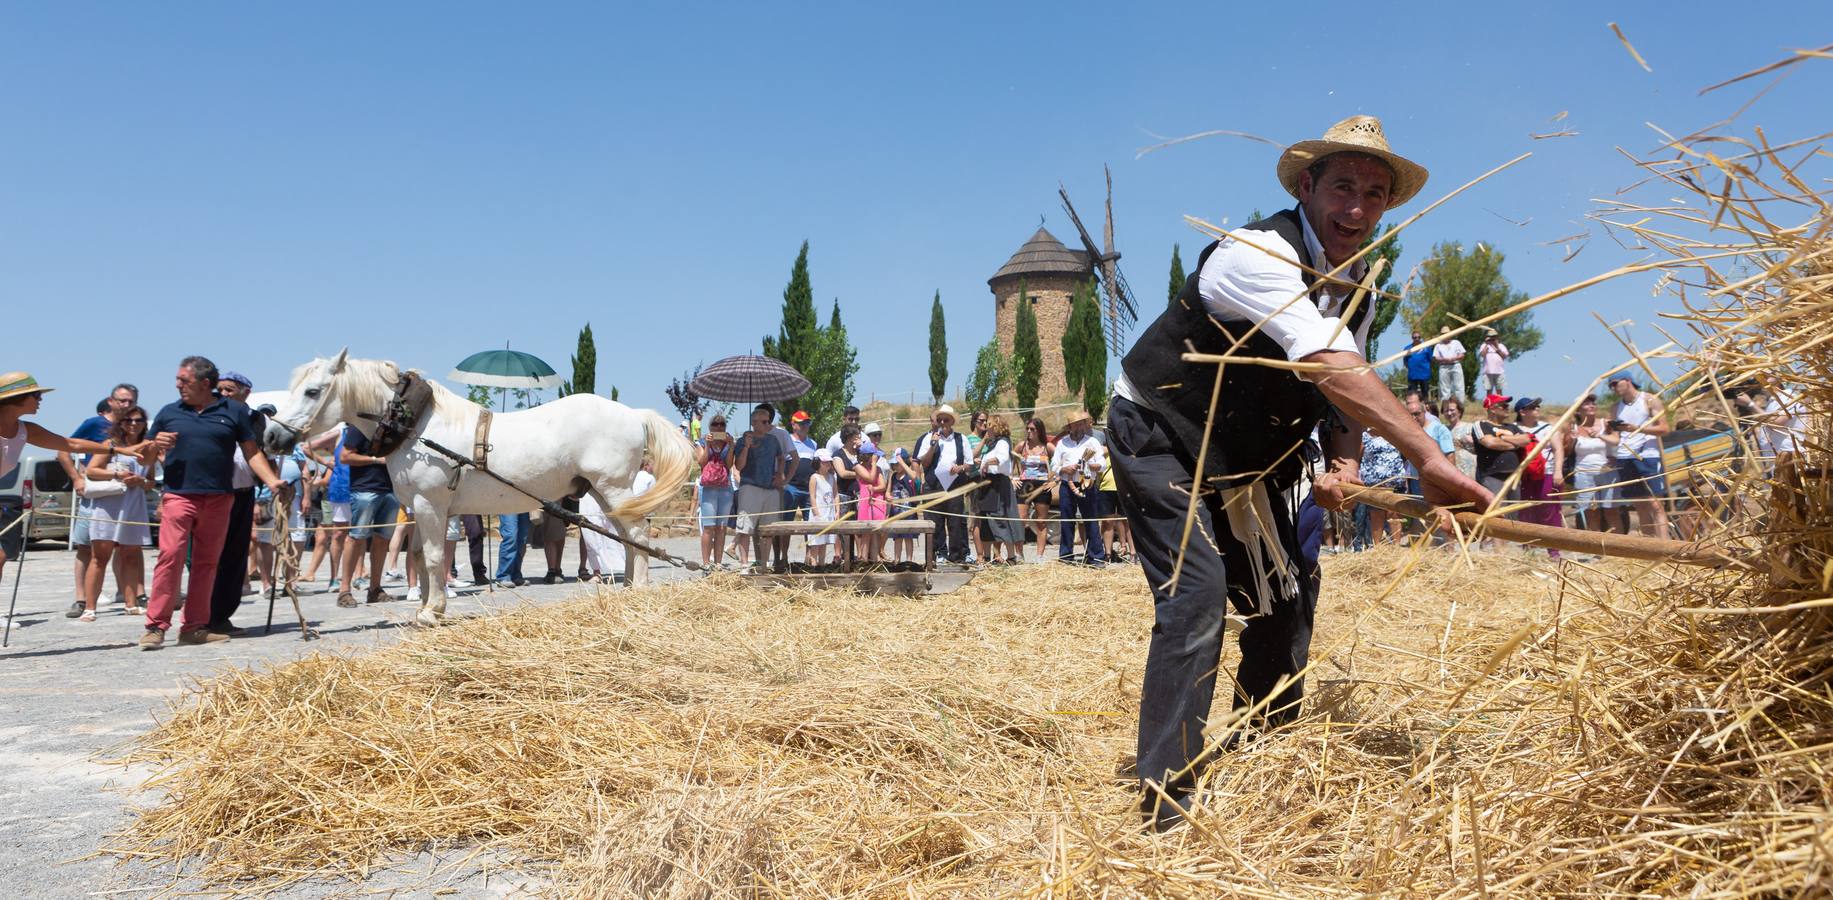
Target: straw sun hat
{"points": [[16, 384], [1356, 134]]}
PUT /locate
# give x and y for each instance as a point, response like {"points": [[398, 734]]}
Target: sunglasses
{"points": [[134, 421]]}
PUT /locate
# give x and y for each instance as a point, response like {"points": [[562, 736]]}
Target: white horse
{"points": [[579, 444]]}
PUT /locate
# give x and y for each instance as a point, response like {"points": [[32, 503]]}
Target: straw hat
{"points": [[1080, 415], [16, 384], [949, 411], [1357, 134]]}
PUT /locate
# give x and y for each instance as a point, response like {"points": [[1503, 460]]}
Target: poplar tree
{"points": [[830, 375], [1027, 363]]}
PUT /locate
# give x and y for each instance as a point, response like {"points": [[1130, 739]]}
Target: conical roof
{"points": [[1044, 255]]}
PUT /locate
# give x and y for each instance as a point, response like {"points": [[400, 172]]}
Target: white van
{"points": [[41, 485]]}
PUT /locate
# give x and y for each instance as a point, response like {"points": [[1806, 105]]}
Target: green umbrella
{"points": [[506, 368]]}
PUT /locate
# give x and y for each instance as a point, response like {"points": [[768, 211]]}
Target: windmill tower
{"points": [[1049, 273]]}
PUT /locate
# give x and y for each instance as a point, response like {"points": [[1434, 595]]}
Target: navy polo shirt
{"points": [[366, 479], [203, 460], [94, 428]]}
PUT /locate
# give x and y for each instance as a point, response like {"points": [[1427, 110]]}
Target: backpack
{"points": [[715, 473], [1535, 468]]}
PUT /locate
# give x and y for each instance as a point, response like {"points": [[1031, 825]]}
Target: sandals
{"points": [[87, 616], [136, 608], [346, 600]]}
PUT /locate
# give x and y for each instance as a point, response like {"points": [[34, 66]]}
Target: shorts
{"points": [[552, 529], [1641, 478], [1044, 495], [715, 506], [1109, 503], [455, 528], [79, 526], [372, 515], [757, 505], [1595, 489], [340, 513], [795, 502], [12, 529]]}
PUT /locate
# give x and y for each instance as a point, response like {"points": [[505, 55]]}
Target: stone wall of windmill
{"points": [[1049, 273]]}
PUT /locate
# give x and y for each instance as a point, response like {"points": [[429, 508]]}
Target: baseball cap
{"points": [[872, 428], [824, 455], [1494, 400], [800, 415], [1526, 403], [238, 378]]}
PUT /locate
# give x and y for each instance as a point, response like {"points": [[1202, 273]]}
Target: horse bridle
{"points": [[401, 414]]}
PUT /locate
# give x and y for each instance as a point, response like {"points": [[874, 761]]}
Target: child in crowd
{"points": [[823, 505]]}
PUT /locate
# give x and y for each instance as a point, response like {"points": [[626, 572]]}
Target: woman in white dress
{"points": [[604, 556], [823, 505], [120, 516]]}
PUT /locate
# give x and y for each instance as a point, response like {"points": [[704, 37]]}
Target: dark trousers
{"points": [[1080, 511], [951, 531], [232, 564], [1423, 387], [1154, 480], [474, 536]]}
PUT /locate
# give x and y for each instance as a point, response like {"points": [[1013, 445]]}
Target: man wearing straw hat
{"points": [[1282, 291]]}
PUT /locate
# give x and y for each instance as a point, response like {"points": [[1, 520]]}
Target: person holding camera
{"points": [[945, 456], [1641, 420], [1078, 463]]}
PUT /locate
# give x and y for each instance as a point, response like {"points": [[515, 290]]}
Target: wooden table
{"points": [[779, 533]]}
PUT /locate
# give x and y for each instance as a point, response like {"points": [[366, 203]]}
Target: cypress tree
{"points": [[938, 350], [1027, 362], [1085, 350], [585, 366], [796, 341], [1177, 275]]}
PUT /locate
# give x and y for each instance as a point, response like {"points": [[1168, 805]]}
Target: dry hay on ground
{"points": [[708, 739]]}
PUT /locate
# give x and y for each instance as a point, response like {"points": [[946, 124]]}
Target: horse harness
{"points": [[413, 397]]}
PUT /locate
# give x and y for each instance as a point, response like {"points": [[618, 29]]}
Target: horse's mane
{"points": [[367, 385]]}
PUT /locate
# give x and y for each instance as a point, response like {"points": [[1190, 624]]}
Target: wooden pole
{"points": [[1632, 546]]}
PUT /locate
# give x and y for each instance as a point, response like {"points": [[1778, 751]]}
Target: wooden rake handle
{"points": [[1632, 546]]}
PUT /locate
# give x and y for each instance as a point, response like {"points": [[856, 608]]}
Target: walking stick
{"points": [[1630, 546], [23, 522]]}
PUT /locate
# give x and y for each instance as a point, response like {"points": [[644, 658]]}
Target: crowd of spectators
{"points": [[1018, 480]]}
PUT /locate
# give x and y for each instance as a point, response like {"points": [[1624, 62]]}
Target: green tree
{"points": [[991, 377], [1177, 275], [585, 366], [938, 350], [830, 375], [1456, 288], [478, 394], [1085, 349], [1385, 309], [796, 342], [1027, 353]]}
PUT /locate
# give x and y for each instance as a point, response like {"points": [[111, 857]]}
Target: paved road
{"points": [[70, 690]]}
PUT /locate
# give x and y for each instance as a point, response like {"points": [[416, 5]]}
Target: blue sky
{"points": [[263, 183]]}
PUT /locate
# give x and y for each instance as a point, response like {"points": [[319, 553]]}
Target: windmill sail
{"points": [[1121, 311]]}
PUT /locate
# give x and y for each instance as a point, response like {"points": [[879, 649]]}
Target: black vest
{"points": [[1264, 415]]}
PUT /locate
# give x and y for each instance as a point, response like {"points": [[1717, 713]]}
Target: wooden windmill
{"points": [[1121, 311]]}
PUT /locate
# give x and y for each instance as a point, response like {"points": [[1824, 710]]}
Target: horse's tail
{"points": [[673, 458]]}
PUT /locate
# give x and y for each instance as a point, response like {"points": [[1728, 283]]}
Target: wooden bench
{"points": [[779, 533]]}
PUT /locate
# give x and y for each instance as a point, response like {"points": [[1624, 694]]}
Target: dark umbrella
{"points": [[505, 369], [749, 379]]}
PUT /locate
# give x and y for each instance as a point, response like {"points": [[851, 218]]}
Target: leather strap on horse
{"points": [[413, 396], [480, 446], [555, 509]]}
